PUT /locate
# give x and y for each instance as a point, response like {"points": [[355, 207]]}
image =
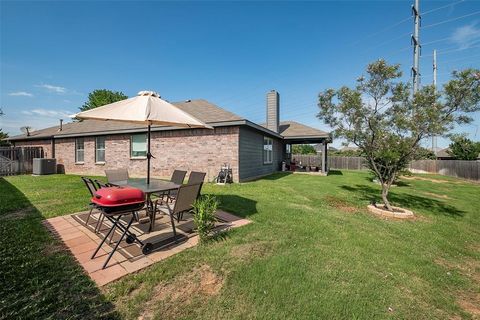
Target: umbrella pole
{"points": [[149, 155]]}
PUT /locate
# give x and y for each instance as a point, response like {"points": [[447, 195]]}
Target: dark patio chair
{"points": [[92, 188], [178, 177], [115, 175], [186, 196], [196, 177], [101, 184]]}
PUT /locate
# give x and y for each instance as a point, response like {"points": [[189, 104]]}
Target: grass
{"points": [[311, 252]]}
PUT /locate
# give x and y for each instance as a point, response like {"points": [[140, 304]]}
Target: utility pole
{"points": [[416, 46], [434, 138]]}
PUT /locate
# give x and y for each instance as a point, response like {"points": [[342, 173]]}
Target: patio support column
{"points": [[324, 157]]}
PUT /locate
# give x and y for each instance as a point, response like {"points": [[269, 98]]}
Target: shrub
{"points": [[204, 215]]}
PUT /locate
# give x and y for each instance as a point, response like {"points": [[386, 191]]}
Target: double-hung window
{"points": [[99, 149], [79, 150], [138, 145], [267, 150]]}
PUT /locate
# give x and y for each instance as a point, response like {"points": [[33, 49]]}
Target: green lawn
{"points": [[312, 252]]}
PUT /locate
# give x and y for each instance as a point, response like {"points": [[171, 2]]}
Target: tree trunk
{"points": [[385, 188]]}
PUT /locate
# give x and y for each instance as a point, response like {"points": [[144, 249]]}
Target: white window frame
{"points": [[131, 147], [77, 150], [267, 150], [100, 149]]}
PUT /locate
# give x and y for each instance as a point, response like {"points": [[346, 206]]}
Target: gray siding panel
{"points": [[251, 154]]}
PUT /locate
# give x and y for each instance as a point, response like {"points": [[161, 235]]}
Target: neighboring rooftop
{"points": [[319, 147], [443, 153], [347, 148]]}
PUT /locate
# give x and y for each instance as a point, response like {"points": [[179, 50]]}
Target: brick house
{"points": [[252, 150]]}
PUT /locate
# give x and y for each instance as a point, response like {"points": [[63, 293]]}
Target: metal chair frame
{"points": [[186, 196], [124, 228]]}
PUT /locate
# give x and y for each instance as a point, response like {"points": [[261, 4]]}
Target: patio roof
{"points": [[297, 133]]}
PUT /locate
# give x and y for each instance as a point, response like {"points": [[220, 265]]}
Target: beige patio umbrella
{"points": [[146, 108]]}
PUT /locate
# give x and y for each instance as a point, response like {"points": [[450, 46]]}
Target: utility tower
{"points": [[434, 138], [416, 46]]}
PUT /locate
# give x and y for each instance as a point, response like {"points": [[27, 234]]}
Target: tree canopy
{"points": [[3, 135], [101, 97], [463, 148], [303, 149], [387, 122]]}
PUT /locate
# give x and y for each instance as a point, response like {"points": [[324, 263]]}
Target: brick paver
{"points": [[82, 242]]}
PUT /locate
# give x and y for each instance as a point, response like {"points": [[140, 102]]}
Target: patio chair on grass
{"points": [[115, 175], [186, 196]]}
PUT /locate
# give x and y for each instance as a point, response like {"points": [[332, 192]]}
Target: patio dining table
{"points": [[155, 186]]}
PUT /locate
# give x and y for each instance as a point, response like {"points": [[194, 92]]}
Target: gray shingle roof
{"points": [[443, 153], [199, 108], [294, 129]]}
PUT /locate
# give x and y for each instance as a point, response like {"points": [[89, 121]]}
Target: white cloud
{"points": [[466, 36], [20, 94], [47, 113], [52, 88]]}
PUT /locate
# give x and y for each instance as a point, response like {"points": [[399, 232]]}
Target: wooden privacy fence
{"points": [[308, 160], [469, 170], [18, 160], [347, 163]]}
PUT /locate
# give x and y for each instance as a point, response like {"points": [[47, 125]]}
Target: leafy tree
{"points": [[303, 149], [425, 154], [3, 135], [101, 97], [346, 153], [387, 123], [463, 148]]}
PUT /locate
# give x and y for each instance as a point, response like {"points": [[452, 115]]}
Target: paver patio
{"points": [[81, 240]]}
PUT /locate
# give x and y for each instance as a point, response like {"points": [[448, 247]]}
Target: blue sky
{"points": [[52, 54]]}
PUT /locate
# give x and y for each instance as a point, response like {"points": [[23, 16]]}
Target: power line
{"points": [[443, 7], [436, 41], [454, 49], [451, 20], [405, 20]]}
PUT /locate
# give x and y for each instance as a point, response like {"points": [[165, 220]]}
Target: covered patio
{"points": [[296, 133]]}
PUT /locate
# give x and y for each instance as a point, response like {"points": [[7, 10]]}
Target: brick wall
{"points": [[193, 149], [45, 144]]}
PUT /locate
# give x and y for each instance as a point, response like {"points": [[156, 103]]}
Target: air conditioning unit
{"points": [[43, 166]]}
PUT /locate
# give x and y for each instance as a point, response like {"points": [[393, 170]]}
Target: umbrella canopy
{"points": [[147, 108]]}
